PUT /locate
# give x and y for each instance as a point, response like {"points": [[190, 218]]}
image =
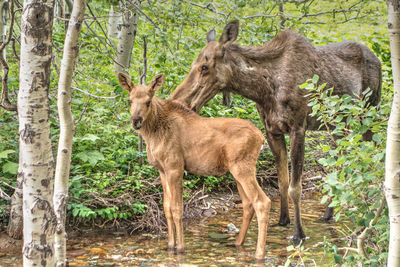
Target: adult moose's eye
{"points": [[148, 103], [204, 68]]}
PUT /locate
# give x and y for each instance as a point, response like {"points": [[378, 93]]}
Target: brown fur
{"points": [[178, 139], [270, 75]]}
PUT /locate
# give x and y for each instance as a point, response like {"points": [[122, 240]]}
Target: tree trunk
{"points": [[392, 164], [34, 128], [3, 22], [66, 128], [126, 40], [113, 21]]}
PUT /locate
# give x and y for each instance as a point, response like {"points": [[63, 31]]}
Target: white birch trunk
{"points": [[34, 128], [113, 21], [3, 22], [392, 164], [66, 128], [126, 40]]}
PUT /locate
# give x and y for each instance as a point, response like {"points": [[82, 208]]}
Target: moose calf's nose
{"points": [[137, 122]]}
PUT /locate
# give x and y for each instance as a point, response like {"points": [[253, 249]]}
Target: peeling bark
{"points": [[37, 162], [66, 128], [392, 164], [126, 40]]}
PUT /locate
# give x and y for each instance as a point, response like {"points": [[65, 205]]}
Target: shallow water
{"points": [[206, 244]]}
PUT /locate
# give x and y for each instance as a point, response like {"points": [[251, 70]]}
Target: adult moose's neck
{"points": [[251, 77]]}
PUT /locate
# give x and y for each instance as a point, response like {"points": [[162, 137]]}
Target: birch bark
{"points": [[113, 21], [36, 157], [126, 40], [392, 164], [66, 128]]}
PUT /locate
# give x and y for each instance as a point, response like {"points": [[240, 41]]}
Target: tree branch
{"points": [[361, 238]]}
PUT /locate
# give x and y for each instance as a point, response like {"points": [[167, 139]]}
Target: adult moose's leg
{"points": [[295, 187], [174, 186], [168, 213], [277, 145]]}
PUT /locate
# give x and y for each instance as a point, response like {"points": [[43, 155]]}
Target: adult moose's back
{"points": [[270, 75]]}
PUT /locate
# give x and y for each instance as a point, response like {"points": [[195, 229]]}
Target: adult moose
{"points": [[270, 75], [178, 139]]}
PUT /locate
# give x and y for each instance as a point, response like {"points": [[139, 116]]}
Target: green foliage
{"points": [[299, 256], [355, 168]]}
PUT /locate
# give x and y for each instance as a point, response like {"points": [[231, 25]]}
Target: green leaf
{"points": [[315, 78], [338, 258], [325, 148], [90, 137], [4, 154], [10, 167], [290, 248], [332, 178]]}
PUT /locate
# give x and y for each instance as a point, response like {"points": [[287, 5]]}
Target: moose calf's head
{"points": [[140, 97], [209, 73]]}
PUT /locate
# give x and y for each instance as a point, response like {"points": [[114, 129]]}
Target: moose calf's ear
{"points": [[125, 81], [156, 83], [230, 32], [211, 36]]}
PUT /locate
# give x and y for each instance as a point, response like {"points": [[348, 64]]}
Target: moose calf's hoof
{"points": [[180, 249], [260, 256]]}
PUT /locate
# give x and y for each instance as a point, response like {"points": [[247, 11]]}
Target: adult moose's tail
{"points": [[372, 75]]}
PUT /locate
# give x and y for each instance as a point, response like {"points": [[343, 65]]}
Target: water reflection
{"points": [[207, 244]]}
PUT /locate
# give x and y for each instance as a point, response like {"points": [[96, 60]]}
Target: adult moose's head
{"points": [[140, 97], [208, 75]]}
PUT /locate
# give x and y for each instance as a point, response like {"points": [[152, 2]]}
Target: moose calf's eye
{"points": [[204, 68], [148, 103]]}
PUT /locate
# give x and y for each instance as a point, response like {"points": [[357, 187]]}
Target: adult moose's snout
{"points": [[137, 122]]}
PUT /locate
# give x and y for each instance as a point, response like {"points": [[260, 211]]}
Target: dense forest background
{"points": [[108, 187]]}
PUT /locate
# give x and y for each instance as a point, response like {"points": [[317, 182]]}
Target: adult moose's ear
{"points": [[211, 36], [230, 32], [125, 81], [156, 83]]}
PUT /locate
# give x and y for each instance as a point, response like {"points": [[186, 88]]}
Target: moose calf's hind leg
{"points": [[262, 208], [261, 205], [248, 213]]}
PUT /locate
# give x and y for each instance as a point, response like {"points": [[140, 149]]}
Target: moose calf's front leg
{"points": [[174, 185], [295, 188], [168, 212]]}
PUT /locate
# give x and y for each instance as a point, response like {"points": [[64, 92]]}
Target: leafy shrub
{"points": [[355, 168]]}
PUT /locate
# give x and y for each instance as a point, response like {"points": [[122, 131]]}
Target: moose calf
{"points": [[178, 139]]}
